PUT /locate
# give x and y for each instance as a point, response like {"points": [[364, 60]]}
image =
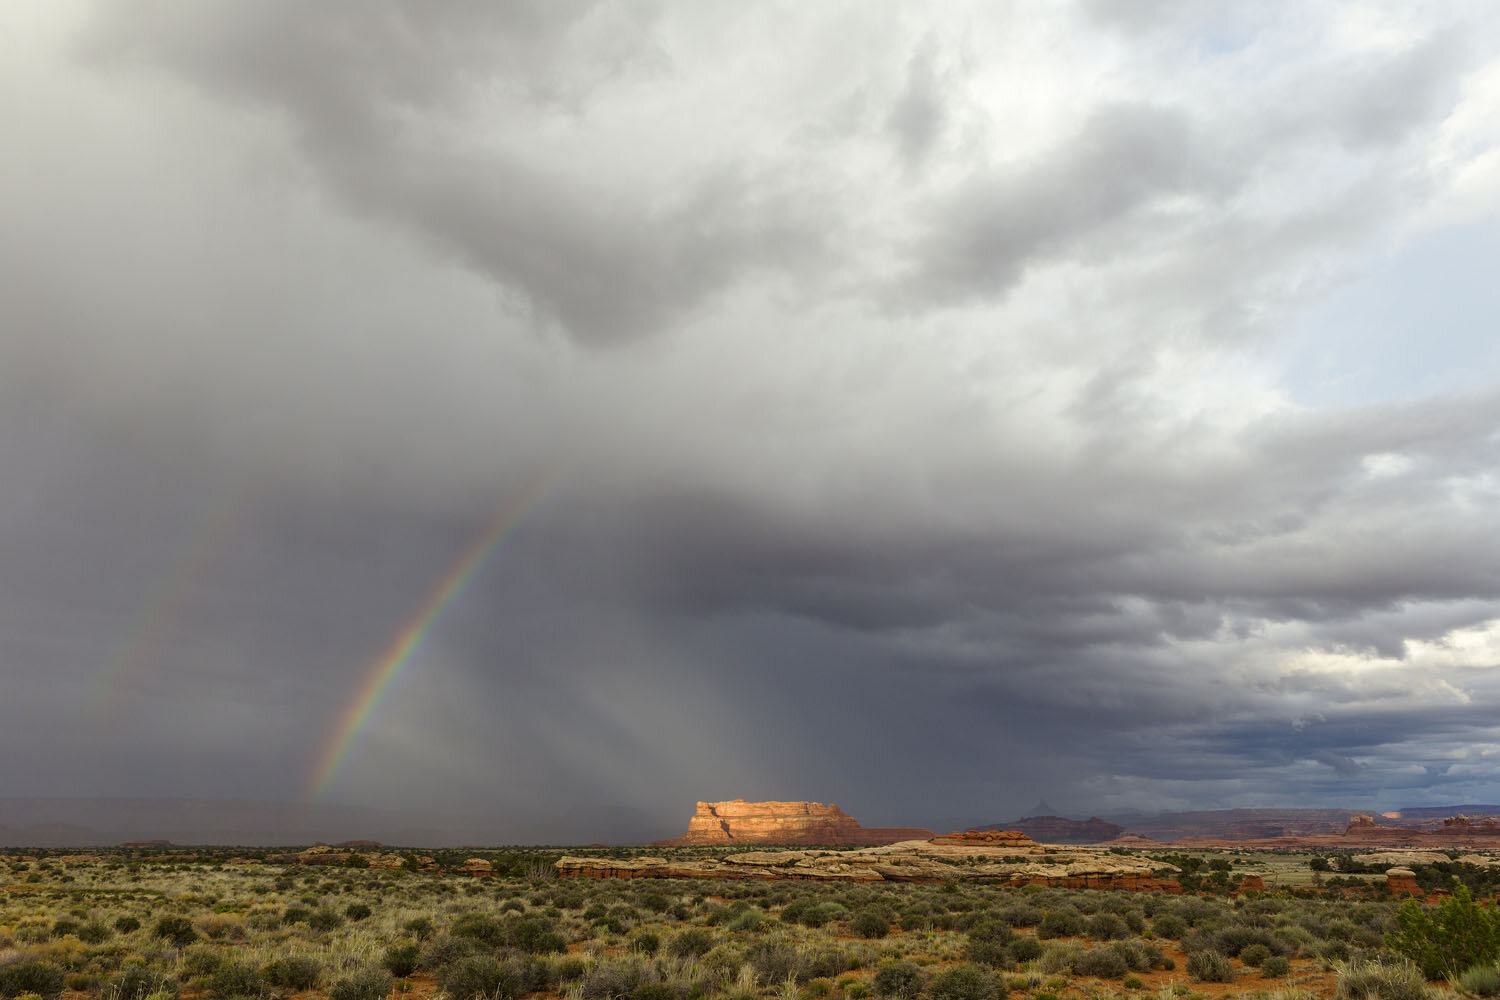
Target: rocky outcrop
{"points": [[979, 856], [811, 823], [1402, 882], [1468, 826], [1060, 830]]}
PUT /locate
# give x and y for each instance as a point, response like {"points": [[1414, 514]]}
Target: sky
{"points": [[925, 410]]}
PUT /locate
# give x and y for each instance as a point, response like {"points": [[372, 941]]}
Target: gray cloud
{"points": [[939, 430]]}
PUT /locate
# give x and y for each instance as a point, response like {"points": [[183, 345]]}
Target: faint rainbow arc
{"points": [[162, 611], [388, 666]]}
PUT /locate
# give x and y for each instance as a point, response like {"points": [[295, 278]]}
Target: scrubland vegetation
{"points": [[228, 926]]}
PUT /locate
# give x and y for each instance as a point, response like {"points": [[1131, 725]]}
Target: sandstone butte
{"points": [[717, 824], [999, 856]]}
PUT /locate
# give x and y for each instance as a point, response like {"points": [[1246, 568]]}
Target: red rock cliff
{"points": [[741, 822]]}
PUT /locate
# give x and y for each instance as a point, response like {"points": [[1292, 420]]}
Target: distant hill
{"points": [[108, 822], [1058, 830]]}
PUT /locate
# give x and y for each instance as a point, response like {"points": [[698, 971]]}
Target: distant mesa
{"points": [[716, 824], [157, 844], [1059, 830], [359, 843]]}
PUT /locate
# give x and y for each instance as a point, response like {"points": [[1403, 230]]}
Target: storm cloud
{"points": [[914, 400]]}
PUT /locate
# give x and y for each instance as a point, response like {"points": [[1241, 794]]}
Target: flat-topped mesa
{"points": [[740, 822], [986, 838]]}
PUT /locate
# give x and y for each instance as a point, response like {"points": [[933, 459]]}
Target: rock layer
{"points": [[802, 823], [1004, 857]]}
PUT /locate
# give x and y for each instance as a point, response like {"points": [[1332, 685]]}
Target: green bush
{"points": [[201, 961], [1255, 954], [325, 918], [402, 958], [990, 952], [369, 983], [646, 942], [94, 932], [419, 927], [610, 981], [480, 976], [1105, 963], [23, 975], [235, 979], [1066, 922], [296, 915], [1276, 966], [1025, 948], [903, 980], [654, 990], [1480, 981], [293, 972], [1381, 981], [963, 982], [693, 942], [136, 982], [1106, 927], [1457, 936], [357, 911], [178, 930], [1210, 967], [127, 924], [870, 923]]}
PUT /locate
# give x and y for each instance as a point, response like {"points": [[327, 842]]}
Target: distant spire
{"points": [[1042, 809]]}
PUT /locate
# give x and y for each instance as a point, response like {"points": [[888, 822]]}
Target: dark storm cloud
{"points": [[383, 100], [937, 464]]}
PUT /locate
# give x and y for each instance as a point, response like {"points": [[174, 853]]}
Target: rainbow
{"points": [[157, 621], [398, 653]]}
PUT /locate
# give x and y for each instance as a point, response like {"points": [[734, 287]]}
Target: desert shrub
{"points": [[870, 923], [613, 981], [1063, 922], [1169, 925], [419, 927], [990, 952], [1276, 966], [1457, 936], [654, 990], [646, 942], [24, 975], [201, 962], [1025, 948], [535, 935], [1106, 927], [127, 924], [828, 963], [1210, 967], [325, 918], [1106, 963], [357, 911], [1058, 958], [963, 982], [236, 978], [478, 927], [749, 921], [220, 926], [1381, 981], [1138, 955], [1255, 954], [902, 980], [1480, 981], [775, 962], [295, 915], [94, 932], [368, 983], [692, 942], [570, 969], [656, 902], [402, 958], [64, 927], [478, 976], [136, 982], [1021, 915], [446, 948], [178, 930], [293, 972]]}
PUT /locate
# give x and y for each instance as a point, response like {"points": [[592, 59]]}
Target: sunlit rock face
{"points": [[741, 822]]}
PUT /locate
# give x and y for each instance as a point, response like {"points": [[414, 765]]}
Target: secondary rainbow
{"points": [[398, 653]]}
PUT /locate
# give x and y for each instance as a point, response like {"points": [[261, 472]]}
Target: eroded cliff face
{"points": [[740, 822]]}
